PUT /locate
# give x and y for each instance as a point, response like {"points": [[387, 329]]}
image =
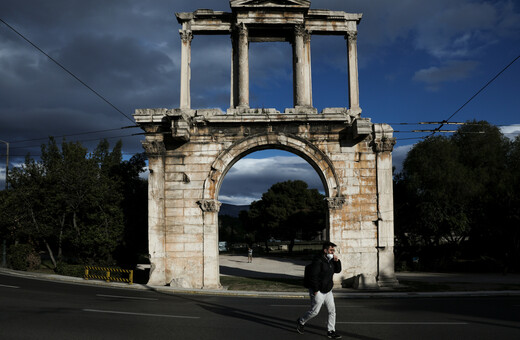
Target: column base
{"points": [[301, 109], [157, 276], [365, 281], [387, 282]]}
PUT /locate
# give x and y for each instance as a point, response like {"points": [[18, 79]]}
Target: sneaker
{"points": [[299, 326], [333, 335]]}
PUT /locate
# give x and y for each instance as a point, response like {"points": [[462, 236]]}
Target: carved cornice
{"points": [[336, 203], [209, 205], [186, 36], [181, 129], [385, 144], [154, 147]]}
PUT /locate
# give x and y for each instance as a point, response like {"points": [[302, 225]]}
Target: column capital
{"points": [[336, 203], [240, 29], [154, 147], [299, 30], [186, 35], [209, 205], [351, 36], [383, 144]]}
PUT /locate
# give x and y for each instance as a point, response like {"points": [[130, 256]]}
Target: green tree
{"points": [[134, 190], [28, 207], [71, 202], [458, 196], [288, 210], [437, 193]]}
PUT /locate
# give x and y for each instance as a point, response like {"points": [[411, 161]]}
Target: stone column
{"points": [[353, 82], [300, 68], [210, 208], [308, 69], [155, 150], [383, 147], [186, 37], [243, 66]]}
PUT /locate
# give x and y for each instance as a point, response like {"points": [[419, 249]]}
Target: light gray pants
{"points": [[317, 301]]}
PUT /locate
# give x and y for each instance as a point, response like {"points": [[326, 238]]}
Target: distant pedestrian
{"points": [[249, 255], [320, 281]]}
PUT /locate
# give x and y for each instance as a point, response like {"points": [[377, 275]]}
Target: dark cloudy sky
{"points": [[419, 60]]}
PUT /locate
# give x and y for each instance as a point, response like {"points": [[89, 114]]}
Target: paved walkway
{"points": [[450, 283], [236, 265]]}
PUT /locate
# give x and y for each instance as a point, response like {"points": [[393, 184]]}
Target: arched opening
{"points": [[271, 77], [329, 71], [210, 71], [280, 254]]}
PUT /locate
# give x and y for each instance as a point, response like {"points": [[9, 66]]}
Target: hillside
{"points": [[232, 210]]}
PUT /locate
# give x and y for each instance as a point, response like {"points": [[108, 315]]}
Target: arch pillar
{"points": [[155, 150]]}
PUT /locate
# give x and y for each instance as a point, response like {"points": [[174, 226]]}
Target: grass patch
{"points": [[262, 284]]}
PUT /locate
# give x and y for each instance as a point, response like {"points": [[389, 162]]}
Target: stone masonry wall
{"points": [[188, 167]]}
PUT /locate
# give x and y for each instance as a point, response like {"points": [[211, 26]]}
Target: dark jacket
{"points": [[321, 273]]}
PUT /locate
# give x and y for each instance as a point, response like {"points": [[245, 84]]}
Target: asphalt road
{"points": [[37, 309]]}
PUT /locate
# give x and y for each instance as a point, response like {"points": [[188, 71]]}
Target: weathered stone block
{"points": [[173, 212], [175, 247]]}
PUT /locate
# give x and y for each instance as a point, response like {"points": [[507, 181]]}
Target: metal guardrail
{"points": [[107, 271]]}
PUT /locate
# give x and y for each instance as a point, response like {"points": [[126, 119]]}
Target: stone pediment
{"points": [[270, 3]]}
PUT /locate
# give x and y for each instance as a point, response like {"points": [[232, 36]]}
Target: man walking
{"points": [[320, 285]]}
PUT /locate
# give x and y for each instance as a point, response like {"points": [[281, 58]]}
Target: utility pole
{"points": [[6, 164], [6, 188]]}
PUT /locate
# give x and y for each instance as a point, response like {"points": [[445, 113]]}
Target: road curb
{"points": [[256, 294]]}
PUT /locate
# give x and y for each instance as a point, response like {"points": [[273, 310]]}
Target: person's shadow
{"points": [[267, 320]]}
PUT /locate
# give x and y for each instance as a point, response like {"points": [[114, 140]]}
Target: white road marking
{"points": [[308, 305], [140, 314], [402, 323], [126, 297], [7, 286]]}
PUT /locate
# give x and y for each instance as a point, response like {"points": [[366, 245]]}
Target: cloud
{"points": [[249, 178], [399, 155], [511, 131], [129, 51], [448, 72]]}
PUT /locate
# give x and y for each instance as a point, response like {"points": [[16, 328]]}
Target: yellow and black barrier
{"points": [[107, 274]]}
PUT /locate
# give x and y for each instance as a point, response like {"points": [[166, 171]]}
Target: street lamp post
{"points": [[6, 163]]}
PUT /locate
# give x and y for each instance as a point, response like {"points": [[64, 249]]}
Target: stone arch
{"points": [[190, 151], [295, 144]]}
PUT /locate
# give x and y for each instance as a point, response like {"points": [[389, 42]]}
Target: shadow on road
{"points": [[283, 324], [231, 271]]}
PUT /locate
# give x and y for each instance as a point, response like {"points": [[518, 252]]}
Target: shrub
{"points": [[34, 261], [23, 257], [65, 269]]}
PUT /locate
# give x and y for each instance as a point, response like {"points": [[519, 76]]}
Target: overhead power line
{"points": [[69, 72], [75, 134], [444, 122], [84, 140]]}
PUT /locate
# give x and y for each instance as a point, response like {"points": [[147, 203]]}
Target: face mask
{"points": [[330, 256]]}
